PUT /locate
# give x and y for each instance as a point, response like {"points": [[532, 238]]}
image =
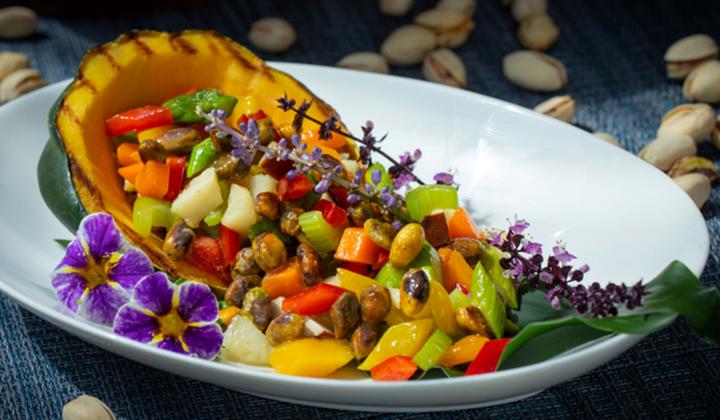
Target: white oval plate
{"points": [[623, 217]]}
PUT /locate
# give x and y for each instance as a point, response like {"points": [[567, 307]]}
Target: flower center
{"points": [[96, 272], [171, 325]]}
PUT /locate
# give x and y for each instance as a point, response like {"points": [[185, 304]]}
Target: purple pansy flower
{"points": [[99, 269], [176, 318]]}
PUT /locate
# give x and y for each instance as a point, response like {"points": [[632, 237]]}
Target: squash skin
{"points": [[77, 172]]}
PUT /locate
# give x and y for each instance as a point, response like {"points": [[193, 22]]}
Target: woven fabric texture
{"points": [[613, 51]]}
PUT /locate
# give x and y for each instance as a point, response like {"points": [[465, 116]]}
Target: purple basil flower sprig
{"points": [[560, 280], [180, 318], [98, 271]]}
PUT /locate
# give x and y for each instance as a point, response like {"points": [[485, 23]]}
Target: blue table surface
{"points": [[613, 51]]}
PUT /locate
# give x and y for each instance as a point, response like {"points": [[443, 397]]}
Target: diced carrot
{"points": [[312, 138], [154, 180], [355, 246], [461, 225], [135, 157], [125, 153], [455, 269], [285, 280], [465, 350], [131, 172], [227, 314]]}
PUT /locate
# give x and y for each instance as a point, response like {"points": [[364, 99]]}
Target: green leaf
{"points": [[452, 373], [63, 242]]}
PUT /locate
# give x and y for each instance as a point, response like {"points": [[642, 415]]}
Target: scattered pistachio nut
{"points": [[365, 61], [272, 34], [694, 120], [439, 19], [444, 66], [11, 61], [395, 7], [20, 82], [696, 185], [534, 71], [607, 137], [664, 151], [694, 164], [703, 83], [86, 407], [17, 22], [687, 53], [466, 7], [715, 135], [408, 45], [538, 32], [522, 9], [455, 37], [559, 107]]}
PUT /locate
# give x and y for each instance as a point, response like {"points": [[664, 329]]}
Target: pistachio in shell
{"points": [[687, 53], [408, 45], [696, 185], [533, 70], [558, 107], [693, 164], [703, 83], [538, 32], [694, 120]]}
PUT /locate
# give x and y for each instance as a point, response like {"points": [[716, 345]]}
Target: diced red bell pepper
{"points": [[295, 188], [206, 254], [357, 268], [396, 368], [138, 119], [339, 195], [332, 213], [382, 258], [176, 165], [260, 115], [230, 245], [313, 301], [462, 288], [488, 358]]}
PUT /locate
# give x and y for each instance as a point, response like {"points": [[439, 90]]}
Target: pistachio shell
{"points": [[407, 45], [439, 19], [694, 164], [715, 135], [703, 83], [534, 71], [272, 34], [17, 22], [538, 32], [522, 9], [466, 7], [11, 61], [607, 137], [665, 151], [20, 82], [395, 7], [685, 54], [696, 185], [694, 120], [86, 407], [365, 61], [457, 36], [444, 66], [559, 107]]}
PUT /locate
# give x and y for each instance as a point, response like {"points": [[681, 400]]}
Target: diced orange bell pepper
{"points": [[126, 154], [465, 350], [313, 357], [461, 225], [131, 172], [396, 368], [356, 246], [455, 269], [285, 280], [154, 180], [227, 314], [312, 138]]}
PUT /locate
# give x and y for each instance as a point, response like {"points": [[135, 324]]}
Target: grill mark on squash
{"points": [[85, 82], [81, 178], [236, 54], [65, 109], [141, 46], [181, 44], [104, 52]]}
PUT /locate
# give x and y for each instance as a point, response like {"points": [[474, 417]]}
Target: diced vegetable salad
{"points": [[313, 283]]}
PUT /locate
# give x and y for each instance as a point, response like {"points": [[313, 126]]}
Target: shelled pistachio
{"points": [[693, 164]]}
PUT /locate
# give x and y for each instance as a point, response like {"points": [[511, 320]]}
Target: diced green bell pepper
{"points": [[486, 298], [385, 180], [150, 212], [429, 260], [202, 155], [505, 286], [390, 276], [183, 107], [425, 199]]}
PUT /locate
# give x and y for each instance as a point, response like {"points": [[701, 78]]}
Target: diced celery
{"points": [[390, 276], [486, 298], [201, 157], [425, 199], [429, 260], [385, 180], [321, 235], [150, 212], [504, 285], [458, 299], [432, 350], [214, 217], [262, 225]]}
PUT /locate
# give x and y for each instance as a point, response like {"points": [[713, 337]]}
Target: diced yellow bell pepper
{"points": [[356, 283], [313, 357], [464, 350], [441, 308], [399, 340], [153, 133]]}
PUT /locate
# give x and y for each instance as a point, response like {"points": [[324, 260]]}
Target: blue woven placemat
{"points": [[613, 51]]}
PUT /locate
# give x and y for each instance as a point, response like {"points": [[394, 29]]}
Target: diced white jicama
{"points": [[351, 166], [201, 196], [244, 343], [262, 183], [240, 212], [129, 186], [315, 329], [276, 307], [333, 281], [394, 296]]}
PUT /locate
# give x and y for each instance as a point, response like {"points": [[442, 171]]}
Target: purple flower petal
{"points": [[519, 226], [532, 248], [171, 344], [135, 324], [102, 303], [197, 303], [204, 341], [74, 256], [131, 267], [155, 293], [562, 255], [496, 238], [98, 231], [69, 288]]}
